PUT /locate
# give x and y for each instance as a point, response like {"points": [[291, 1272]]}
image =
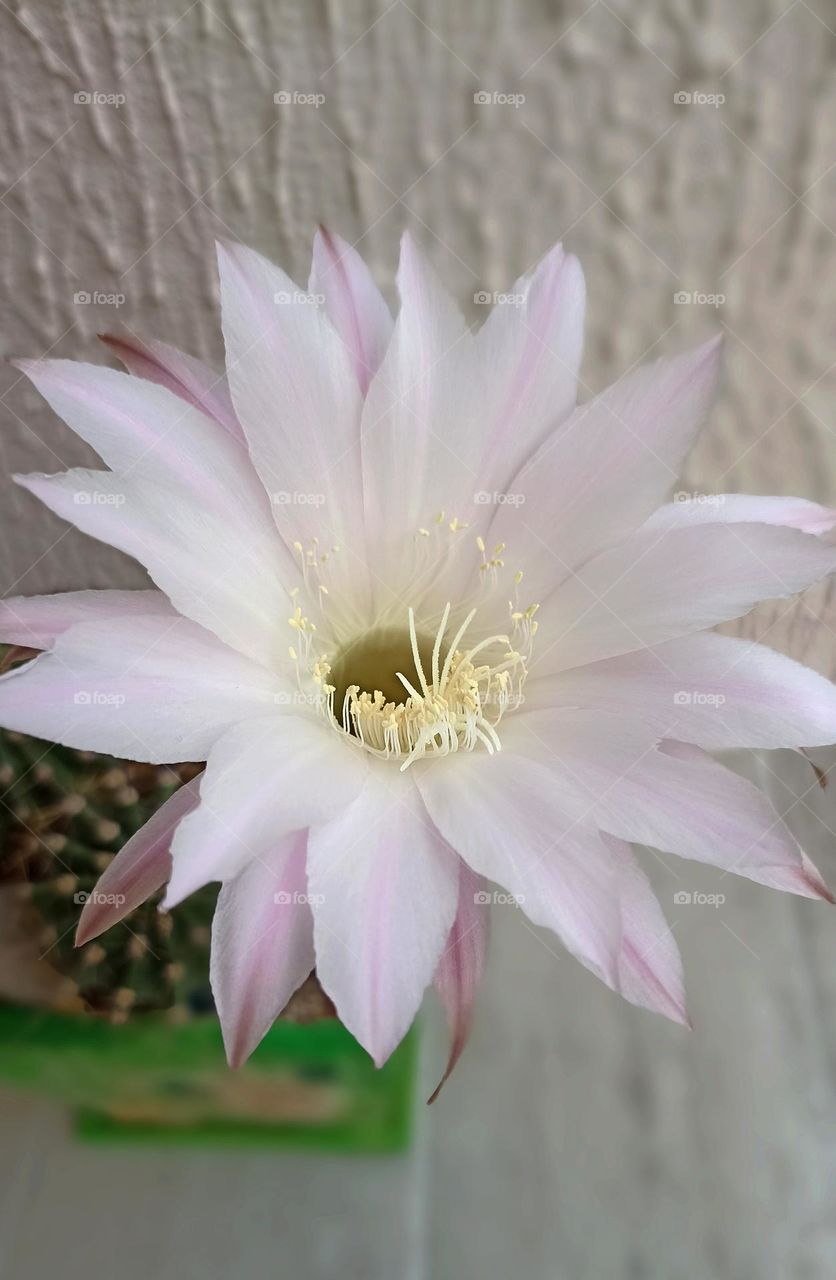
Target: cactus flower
{"points": [[433, 626]]}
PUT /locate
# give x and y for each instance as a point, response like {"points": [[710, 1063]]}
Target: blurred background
{"points": [[686, 151]]}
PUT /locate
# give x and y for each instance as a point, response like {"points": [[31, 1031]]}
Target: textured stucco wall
{"points": [[705, 1161]]}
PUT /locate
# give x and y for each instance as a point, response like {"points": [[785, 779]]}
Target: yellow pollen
{"points": [[409, 692], [448, 703]]}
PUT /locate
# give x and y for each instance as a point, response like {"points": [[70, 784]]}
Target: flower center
{"points": [[408, 695], [371, 663]]}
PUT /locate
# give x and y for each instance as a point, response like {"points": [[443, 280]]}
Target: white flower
{"points": [[430, 624]]}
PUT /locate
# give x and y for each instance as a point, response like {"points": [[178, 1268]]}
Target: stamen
{"points": [[438, 693]]}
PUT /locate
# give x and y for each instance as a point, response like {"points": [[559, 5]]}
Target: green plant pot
{"points": [[152, 1081]]}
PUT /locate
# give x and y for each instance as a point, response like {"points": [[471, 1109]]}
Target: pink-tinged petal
{"points": [[462, 964], [743, 508], [142, 427], [658, 586], [595, 480], [419, 426], [296, 395], [649, 964], [263, 779], [529, 353], [510, 818], [224, 569], [353, 302], [187, 377], [503, 815], [156, 689], [37, 621], [139, 869], [384, 891], [262, 944], [715, 691], [183, 498], [671, 796]]}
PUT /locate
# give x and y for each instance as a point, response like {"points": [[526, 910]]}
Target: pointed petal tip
{"points": [[436, 1091], [94, 920], [85, 932], [682, 1018], [712, 348], [236, 1056], [332, 243], [226, 251], [810, 882], [28, 480], [818, 887]]}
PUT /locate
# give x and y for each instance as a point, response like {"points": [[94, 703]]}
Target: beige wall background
{"points": [[579, 1138]]}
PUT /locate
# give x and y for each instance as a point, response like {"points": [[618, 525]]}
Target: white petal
{"points": [[507, 816], [384, 889], [187, 377], [649, 963], [262, 944], [670, 796], [37, 621], [528, 354], [657, 586], [296, 394], [353, 302], [417, 455], [737, 508], [502, 815], [596, 479], [158, 689], [263, 779], [144, 428], [715, 691], [221, 568]]}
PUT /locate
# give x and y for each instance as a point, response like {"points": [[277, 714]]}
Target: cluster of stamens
{"points": [[455, 694]]}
